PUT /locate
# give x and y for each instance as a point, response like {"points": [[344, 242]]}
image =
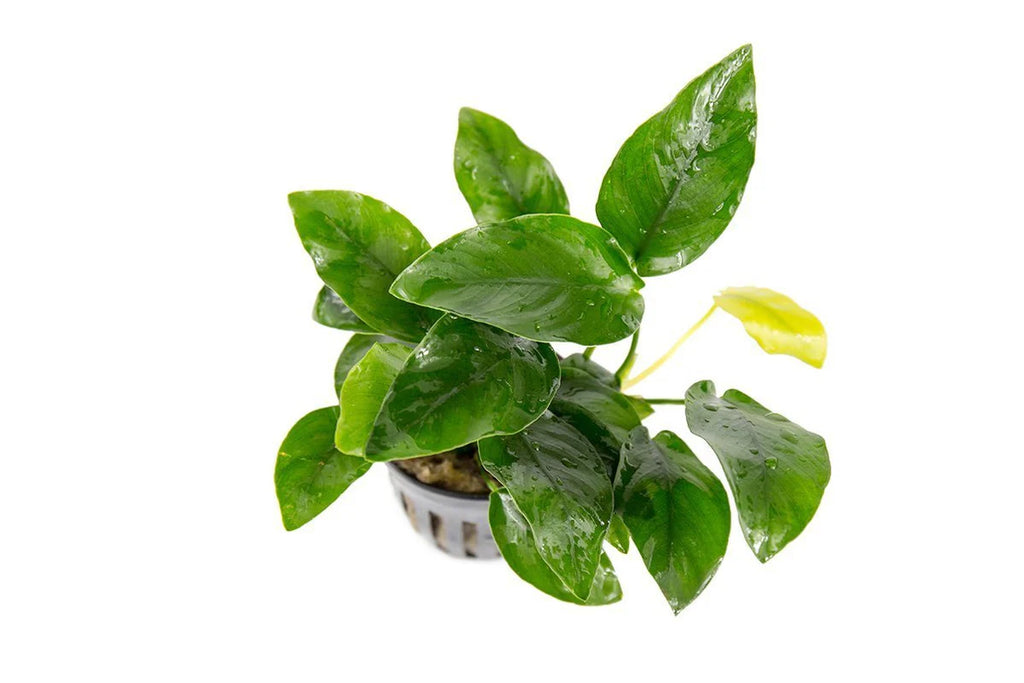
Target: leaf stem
{"points": [[666, 401], [588, 352], [668, 354], [627, 364]]}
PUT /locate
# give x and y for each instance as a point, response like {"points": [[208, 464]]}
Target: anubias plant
{"points": [[452, 347]]}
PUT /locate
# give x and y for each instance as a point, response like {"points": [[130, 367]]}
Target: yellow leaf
{"points": [[776, 322]]}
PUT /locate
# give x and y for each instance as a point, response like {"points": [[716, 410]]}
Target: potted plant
{"points": [[498, 444]]}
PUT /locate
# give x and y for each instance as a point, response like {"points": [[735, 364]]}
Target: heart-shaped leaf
{"points": [[543, 277], [676, 510], [499, 176], [358, 245], [560, 484], [331, 311], [465, 381], [518, 546], [311, 473], [677, 181], [776, 469], [776, 322], [363, 393]]}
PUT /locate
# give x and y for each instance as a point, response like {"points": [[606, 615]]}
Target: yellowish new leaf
{"points": [[776, 322]]}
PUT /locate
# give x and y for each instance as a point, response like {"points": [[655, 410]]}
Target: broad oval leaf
{"points": [[311, 473], [776, 469], [498, 175], [544, 277], [776, 322], [559, 483], [677, 181], [331, 311], [355, 349], [465, 381], [358, 245], [363, 393], [677, 512], [517, 545]]}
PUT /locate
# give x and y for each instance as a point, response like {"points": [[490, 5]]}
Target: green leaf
{"points": [[331, 311], [311, 473], [602, 414], [618, 534], [677, 512], [358, 245], [355, 349], [559, 482], [776, 322], [777, 470], [499, 176], [677, 181], [543, 277], [363, 393], [578, 361], [518, 546], [465, 381]]}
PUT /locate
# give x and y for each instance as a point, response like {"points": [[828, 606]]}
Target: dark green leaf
{"points": [[310, 472], [516, 542], [559, 482], [353, 352], [579, 362], [677, 512], [464, 381], [331, 311], [358, 245], [543, 277], [777, 470], [618, 534], [363, 393], [499, 176], [677, 181]]}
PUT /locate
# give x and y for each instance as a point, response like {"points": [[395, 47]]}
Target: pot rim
{"points": [[437, 489]]}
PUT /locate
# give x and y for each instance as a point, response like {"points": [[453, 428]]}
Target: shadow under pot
{"points": [[453, 521]]}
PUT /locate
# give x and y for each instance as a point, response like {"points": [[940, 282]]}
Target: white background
{"points": [[157, 342]]}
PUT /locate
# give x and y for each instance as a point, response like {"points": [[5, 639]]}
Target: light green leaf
{"points": [[776, 322], [677, 181], [676, 511], [543, 277], [358, 245], [465, 381], [363, 393], [618, 534], [311, 473], [355, 349], [331, 311], [560, 484], [776, 469], [518, 546], [499, 176]]}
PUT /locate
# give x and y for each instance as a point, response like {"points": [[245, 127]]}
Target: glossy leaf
{"points": [[677, 512], [518, 546], [677, 181], [499, 176], [618, 534], [543, 277], [776, 322], [578, 361], [559, 483], [465, 381], [355, 349], [776, 469], [358, 245], [311, 473], [331, 311], [363, 393]]}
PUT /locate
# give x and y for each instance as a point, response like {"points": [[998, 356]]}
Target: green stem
{"points": [[665, 401], [627, 364], [588, 352], [668, 354]]}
